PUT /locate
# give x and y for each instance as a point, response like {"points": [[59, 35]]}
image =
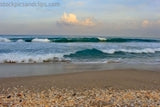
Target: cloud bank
{"points": [[71, 19], [150, 23]]}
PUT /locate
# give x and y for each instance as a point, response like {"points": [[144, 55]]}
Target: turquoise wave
{"points": [[98, 54]]}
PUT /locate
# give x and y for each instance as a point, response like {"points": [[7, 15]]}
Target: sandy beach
{"points": [[93, 88], [119, 79]]}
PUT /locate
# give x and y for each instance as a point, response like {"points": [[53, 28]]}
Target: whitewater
{"points": [[78, 49]]}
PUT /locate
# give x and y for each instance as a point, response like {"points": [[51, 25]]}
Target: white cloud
{"points": [[146, 23], [71, 19], [151, 23]]}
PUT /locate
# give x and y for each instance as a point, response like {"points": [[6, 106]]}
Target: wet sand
{"points": [[118, 79]]}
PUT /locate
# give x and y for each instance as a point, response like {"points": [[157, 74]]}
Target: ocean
{"points": [[78, 49]]}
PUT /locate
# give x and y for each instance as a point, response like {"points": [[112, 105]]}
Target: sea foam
{"points": [[136, 51], [24, 58], [40, 40], [102, 39], [20, 40], [4, 40]]}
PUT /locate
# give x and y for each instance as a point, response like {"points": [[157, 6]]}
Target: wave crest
{"points": [[40, 40], [87, 53], [111, 53], [134, 51], [20, 40], [17, 58], [4, 40], [102, 39]]}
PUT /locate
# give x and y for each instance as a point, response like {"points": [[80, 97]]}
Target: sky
{"points": [[81, 17]]}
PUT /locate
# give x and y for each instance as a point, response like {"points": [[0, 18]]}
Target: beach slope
{"points": [[95, 88]]}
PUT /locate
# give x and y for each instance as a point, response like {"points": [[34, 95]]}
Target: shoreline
{"points": [[25, 70], [118, 79]]}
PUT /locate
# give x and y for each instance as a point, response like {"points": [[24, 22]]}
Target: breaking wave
{"points": [[40, 40], [20, 40], [4, 40], [78, 39], [22, 58], [135, 51], [111, 53], [86, 55]]}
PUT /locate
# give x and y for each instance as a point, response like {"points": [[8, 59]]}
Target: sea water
{"points": [[78, 49]]}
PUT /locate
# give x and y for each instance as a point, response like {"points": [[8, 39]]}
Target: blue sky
{"points": [[83, 17]]}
